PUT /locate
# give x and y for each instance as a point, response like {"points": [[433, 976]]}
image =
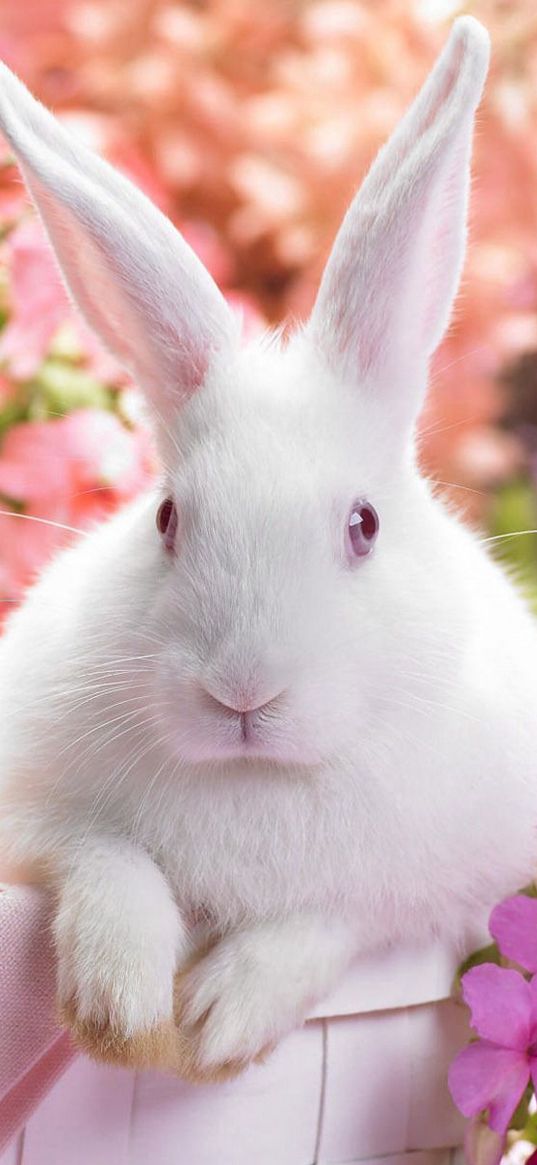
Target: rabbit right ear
{"points": [[136, 280], [387, 291]]}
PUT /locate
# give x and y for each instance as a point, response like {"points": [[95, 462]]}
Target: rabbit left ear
{"points": [[137, 281], [387, 291]]}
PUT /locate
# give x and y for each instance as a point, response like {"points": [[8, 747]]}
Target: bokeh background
{"points": [[251, 124]]}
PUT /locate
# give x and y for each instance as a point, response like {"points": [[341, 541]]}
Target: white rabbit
{"points": [[262, 719]]}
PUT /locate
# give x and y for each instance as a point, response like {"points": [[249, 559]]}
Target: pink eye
{"points": [[362, 529], [167, 522]]}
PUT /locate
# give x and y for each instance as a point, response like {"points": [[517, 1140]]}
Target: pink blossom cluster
{"points": [[489, 1078], [63, 463]]}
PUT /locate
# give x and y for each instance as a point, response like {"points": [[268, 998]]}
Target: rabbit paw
{"points": [[154, 1047], [232, 1007], [115, 991]]}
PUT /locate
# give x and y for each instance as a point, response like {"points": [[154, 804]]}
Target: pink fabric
{"points": [[33, 1049]]}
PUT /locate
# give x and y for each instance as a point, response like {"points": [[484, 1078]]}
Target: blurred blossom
{"points": [[39, 306], [487, 456], [246, 308], [212, 251], [72, 471], [37, 299], [25, 547], [69, 458]]}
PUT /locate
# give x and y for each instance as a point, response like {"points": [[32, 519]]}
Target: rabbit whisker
{"points": [[43, 521]]}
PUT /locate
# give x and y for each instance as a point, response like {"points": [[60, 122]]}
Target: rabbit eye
{"points": [[167, 522], [362, 529]]}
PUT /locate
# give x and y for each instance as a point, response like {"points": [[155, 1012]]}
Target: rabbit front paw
{"points": [[119, 937], [232, 1007], [116, 997]]}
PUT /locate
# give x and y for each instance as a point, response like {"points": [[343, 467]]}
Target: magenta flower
{"points": [[513, 925], [493, 1072]]}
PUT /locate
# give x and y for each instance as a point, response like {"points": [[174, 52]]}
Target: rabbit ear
{"points": [[387, 291], [138, 283]]}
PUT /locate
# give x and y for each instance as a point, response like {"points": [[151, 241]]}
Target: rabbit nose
{"points": [[246, 709]]}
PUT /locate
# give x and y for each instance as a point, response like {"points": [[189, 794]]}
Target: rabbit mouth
{"points": [[222, 725], [243, 737], [250, 747]]}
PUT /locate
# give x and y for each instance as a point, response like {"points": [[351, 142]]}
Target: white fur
{"points": [[119, 936], [392, 792], [249, 1001]]}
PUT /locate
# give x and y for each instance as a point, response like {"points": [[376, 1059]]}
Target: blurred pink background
{"points": [[251, 125]]}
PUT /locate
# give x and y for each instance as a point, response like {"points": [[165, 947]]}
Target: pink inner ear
{"points": [[136, 329], [363, 329], [386, 295]]}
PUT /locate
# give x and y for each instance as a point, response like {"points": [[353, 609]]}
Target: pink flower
{"points": [[104, 454], [70, 472], [252, 322], [513, 925], [34, 461], [493, 1072], [87, 450], [26, 546], [40, 306], [38, 299], [213, 253]]}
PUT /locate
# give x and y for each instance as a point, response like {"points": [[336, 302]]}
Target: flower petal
{"points": [[500, 1001], [532, 984], [513, 925], [484, 1076], [503, 1106]]}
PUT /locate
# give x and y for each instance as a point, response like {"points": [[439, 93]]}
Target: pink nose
{"points": [[246, 709], [244, 715]]}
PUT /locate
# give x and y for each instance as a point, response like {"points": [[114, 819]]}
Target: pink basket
{"points": [[364, 1080]]}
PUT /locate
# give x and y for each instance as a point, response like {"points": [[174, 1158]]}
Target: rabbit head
{"points": [[299, 564]]}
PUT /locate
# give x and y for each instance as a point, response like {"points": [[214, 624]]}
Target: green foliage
{"points": [[60, 387], [515, 509]]}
